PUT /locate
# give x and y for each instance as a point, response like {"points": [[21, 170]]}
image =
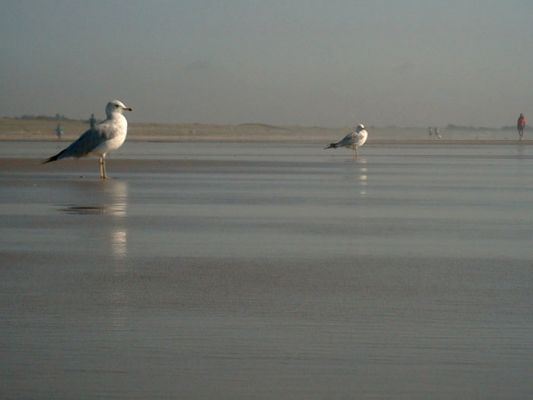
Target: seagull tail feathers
{"points": [[58, 156], [331, 146]]}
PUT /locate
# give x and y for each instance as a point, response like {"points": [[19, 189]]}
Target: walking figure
{"points": [[520, 125], [59, 131], [92, 121]]}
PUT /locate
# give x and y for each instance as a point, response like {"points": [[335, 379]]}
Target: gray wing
{"points": [[85, 144], [347, 140]]}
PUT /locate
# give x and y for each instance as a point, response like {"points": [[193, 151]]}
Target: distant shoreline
{"points": [[35, 130], [219, 139]]}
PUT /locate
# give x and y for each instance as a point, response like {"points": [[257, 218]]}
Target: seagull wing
{"points": [[85, 144], [347, 140]]}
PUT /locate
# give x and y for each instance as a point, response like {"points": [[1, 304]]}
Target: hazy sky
{"points": [[305, 62]]}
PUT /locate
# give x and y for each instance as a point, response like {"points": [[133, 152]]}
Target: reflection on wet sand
{"points": [[327, 277], [119, 243], [520, 150], [108, 200], [363, 177], [358, 172], [103, 198]]}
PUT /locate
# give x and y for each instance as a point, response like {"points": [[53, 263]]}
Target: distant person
{"points": [[430, 131], [92, 121], [436, 132], [520, 125], [59, 131]]}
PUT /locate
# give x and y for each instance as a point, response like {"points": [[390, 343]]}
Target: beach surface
{"points": [[280, 270], [12, 129]]}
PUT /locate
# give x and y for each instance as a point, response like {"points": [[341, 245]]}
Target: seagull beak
{"points": [[128, 109]]}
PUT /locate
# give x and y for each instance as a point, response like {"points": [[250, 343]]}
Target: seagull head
{"points": [[115, 106], [359, 128]]}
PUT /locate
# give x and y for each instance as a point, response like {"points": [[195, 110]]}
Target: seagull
{"points": [[354, 140], [106, 136]]}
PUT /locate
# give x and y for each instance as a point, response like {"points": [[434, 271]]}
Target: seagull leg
{"points": [[105, 172], [103, 165], [101, 162]]}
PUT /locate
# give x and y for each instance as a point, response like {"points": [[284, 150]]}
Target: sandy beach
{"points": [[44, 130], [224, 242], [278, 270]]}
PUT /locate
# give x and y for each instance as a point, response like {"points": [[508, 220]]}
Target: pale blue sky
{"points": [[305, 62]]}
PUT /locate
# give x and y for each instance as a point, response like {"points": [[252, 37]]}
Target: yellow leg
{"points": [[105, 172], [101, 163]]}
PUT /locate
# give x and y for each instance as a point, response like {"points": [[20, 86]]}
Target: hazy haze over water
{"points": [[326, 63]]}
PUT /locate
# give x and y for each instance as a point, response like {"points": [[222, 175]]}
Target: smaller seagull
{"points": [[99, 140], [353, 140]]}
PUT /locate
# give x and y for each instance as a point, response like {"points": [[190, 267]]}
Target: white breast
{"points": [[119, 127], [361, 137]]}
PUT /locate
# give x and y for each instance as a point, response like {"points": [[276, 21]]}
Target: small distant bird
{"points": [[353, 140], [99, 140]]}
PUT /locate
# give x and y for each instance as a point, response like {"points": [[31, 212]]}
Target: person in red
{"points": [[520, 125]]}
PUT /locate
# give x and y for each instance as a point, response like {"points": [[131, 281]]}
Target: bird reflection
{"points": [[363, 177], [119, 243], [107, 198], [101, 198], [107, 204], [358, 171]]}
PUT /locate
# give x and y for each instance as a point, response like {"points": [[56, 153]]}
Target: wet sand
{"points": [[274, 271]]}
